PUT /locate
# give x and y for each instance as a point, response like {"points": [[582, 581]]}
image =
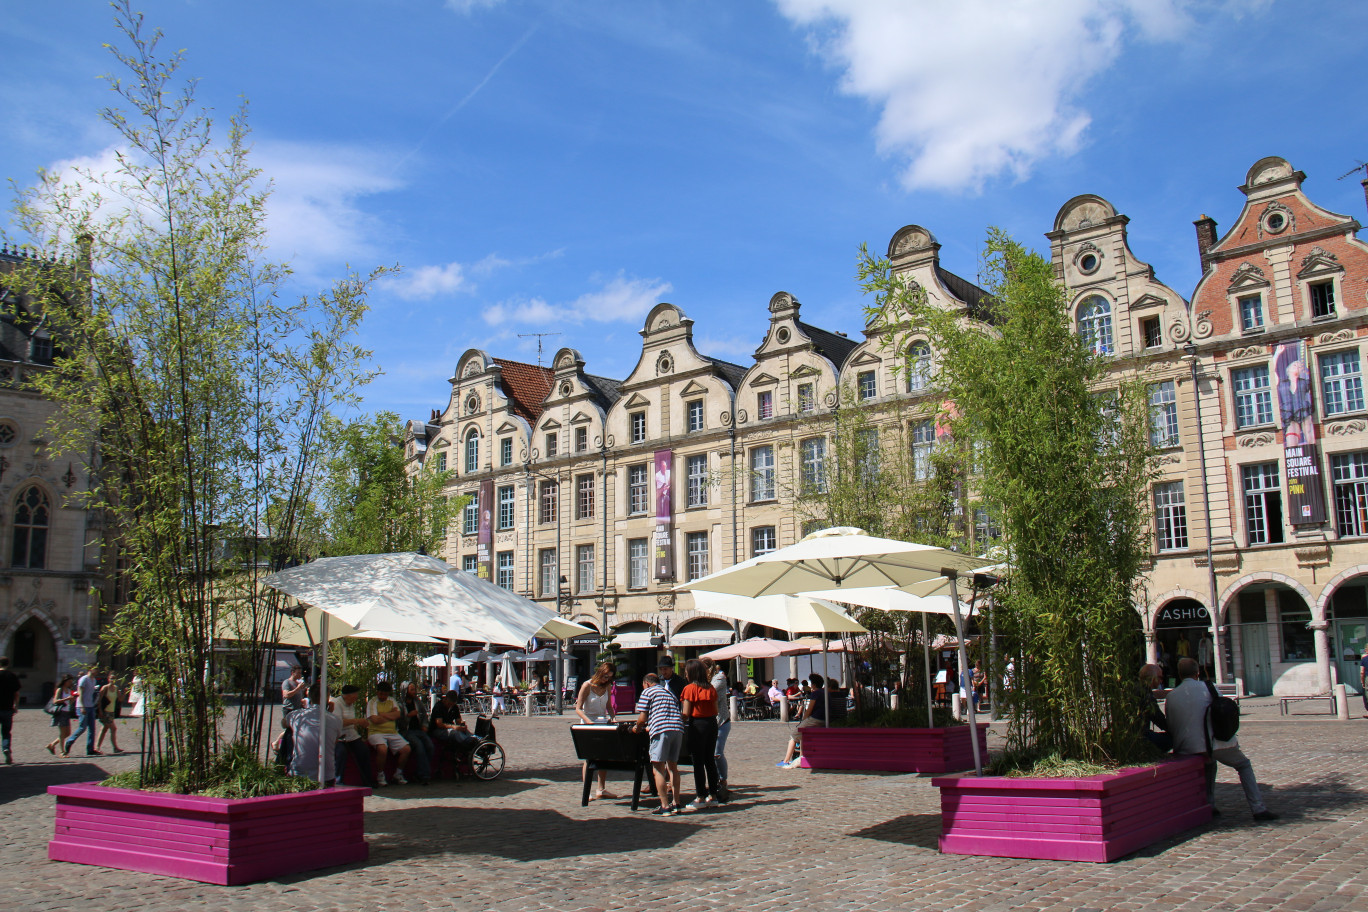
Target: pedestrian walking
{"points": [[63, 705], [110, 698], [9, 704], [87, 701]]}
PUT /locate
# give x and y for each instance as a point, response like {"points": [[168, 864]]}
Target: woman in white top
{"points": [[595, 704]]}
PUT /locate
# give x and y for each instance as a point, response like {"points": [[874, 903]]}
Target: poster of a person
{"points": [[1295, 405]]}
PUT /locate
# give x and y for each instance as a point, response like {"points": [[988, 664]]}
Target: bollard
{"points": [[1342, 702], [734, 706], [893, 702], [783, 708], [528, 700], [957, 706]]}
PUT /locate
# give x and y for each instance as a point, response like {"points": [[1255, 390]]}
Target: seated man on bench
{"points": [[445, 726], [383, 715]]}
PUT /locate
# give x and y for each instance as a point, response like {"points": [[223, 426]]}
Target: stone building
{"points": [[50, 553], [597, 495]]}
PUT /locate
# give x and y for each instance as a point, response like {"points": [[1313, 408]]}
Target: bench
{"points": [[1285, 703]]}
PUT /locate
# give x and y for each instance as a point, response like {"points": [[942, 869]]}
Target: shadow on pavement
{"points": [[24, 780], [921, 830], [514, 834]]}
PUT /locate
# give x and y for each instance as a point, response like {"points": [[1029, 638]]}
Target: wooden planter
{"points": [[1098, 818], [894, 750], [212, 840]]}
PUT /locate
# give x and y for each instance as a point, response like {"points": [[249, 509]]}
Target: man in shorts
{"points": [[658, 714], [382, 714]]}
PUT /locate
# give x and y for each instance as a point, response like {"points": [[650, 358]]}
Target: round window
{"points": [[1275, 222], [783, 335], [8, 434], [1088, 263], [566, 388]]}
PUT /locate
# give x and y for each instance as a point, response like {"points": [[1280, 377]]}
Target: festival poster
{"points": [[1301, 447], [664, 515], [484, 544]]}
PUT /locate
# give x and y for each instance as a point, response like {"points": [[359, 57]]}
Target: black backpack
{"points": [[1224, 714]]}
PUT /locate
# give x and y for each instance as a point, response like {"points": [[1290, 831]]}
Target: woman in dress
{"points": [[595, 704], [699, 709], [64, 699], [107, 706]]}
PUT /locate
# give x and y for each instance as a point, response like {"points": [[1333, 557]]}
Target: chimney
{"points": [[1206, 236], [1364, 184]]}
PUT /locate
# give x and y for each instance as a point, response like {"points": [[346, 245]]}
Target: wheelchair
{"points": [[485, 760]]}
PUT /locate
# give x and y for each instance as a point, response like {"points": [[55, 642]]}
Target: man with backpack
{"points": [[1190, 708]]}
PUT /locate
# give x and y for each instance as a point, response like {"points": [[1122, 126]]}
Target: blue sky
{"points": [[562, 166]]}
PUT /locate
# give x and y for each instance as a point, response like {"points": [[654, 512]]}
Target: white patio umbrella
{"points": [[758, 648], [791, 613], [411, 593], [838, 558], [439, 660]]}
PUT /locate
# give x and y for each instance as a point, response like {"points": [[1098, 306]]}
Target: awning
{"points": [[702, 638], [637, 639]]}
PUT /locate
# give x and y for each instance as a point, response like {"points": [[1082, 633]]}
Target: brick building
{"points": [[595, 495]]}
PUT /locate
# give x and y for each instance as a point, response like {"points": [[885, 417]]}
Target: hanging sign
{"points": [[1301, 449], [664, 515]]}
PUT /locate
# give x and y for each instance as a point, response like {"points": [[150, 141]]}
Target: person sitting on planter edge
{"points": [[813, 714], [1190, 727], [382, 714], [303, 728], [1154, 727], [352, 742]]}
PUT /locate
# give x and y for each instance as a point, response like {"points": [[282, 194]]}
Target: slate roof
{"points": [[606, 389], [732, 373], [526, 386], [835, 348], [980, 302]]}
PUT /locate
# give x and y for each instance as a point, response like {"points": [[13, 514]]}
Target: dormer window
{"points": [[807, 398], [472, 451], [506, 451], [1151, 331], [1251, 314], [552, 441], [695, 410], [638, 426], [918, 366], [868, 388], [40, 350], [581, 439], [1322, 301], [764, 405]]}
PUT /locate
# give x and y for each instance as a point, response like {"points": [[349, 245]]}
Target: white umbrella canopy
{"points": [[843, 557], [391, 636], [758, 648], [890, 599], [791, 613], [414, 593], [439, 660]]}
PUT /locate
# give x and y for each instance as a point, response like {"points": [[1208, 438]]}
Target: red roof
{"points": [[527, 386]]}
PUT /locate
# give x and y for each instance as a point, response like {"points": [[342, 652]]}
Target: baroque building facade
{"points": [[597, 496], [50, 543]]}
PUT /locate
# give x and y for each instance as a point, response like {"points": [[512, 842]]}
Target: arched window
{"points": [[1095, 324], [918, 366], [31, 515], [472, 452]]}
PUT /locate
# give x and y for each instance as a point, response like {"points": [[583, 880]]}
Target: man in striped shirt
{"points": [[658, 713]]}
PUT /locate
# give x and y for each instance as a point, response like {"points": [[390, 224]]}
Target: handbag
{"points": [[50, 707]]}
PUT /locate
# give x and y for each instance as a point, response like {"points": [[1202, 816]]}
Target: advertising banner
{"points": [[1301, 447], [484, 544], [662, 542]]}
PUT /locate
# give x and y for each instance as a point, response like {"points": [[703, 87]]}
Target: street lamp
{"points": [[562, 598], [1190, 356]]}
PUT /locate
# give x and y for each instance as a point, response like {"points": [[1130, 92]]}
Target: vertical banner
{"points": [[1301, 448], [664, 516], [484, 545]]}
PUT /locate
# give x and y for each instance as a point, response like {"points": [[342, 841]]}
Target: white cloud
{"points": [[732, 348], [620, 298], [313, 216], [974, 89], [470, 6], [424, 282]]}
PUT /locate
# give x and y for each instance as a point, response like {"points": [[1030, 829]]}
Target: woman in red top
{"points": [[699, 708]]}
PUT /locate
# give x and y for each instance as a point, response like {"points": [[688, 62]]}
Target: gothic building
{"points": [[597, 496]]}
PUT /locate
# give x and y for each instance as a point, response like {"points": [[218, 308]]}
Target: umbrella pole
{"points": [[323, 745], [826, 687], [926, 669], [963, 660]]}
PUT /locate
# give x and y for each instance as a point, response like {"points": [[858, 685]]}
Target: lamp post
{"points": [[562, 598], [1190, 356]]}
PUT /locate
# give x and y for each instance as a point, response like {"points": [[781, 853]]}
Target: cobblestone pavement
{"points": [[791, 840]]}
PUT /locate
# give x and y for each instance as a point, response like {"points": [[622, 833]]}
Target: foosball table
{"points": [[615, 746]]}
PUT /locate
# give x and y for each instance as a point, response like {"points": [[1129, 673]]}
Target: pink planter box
{"points": [[1099, 818], [895, 750], [212, 840]]}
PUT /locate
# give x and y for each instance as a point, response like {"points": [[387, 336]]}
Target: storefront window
{"points": [[1298, 643]]}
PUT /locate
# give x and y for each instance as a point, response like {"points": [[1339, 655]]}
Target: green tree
{"points": [[1065, 466], [373, 504], [201, 392]]}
